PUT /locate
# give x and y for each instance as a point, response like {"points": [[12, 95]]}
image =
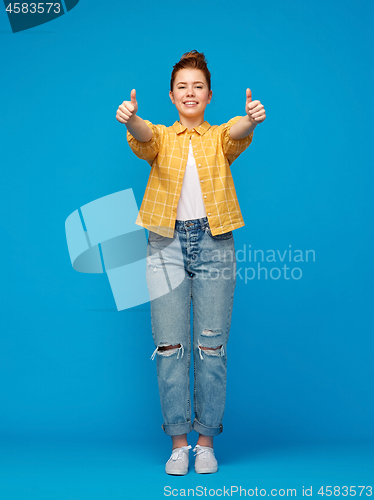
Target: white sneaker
{"points": [[205, 461], [178, 462]]}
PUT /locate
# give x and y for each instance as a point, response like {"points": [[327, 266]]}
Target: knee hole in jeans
{"points": [[167, 347], [210, 348], [167, 350]]}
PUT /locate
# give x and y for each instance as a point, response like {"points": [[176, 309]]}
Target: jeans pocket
{"points": [[155, 237], [219, 237]]}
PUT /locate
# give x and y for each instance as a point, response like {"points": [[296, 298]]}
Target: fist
{"points": [[254, 109], [127, 109]]}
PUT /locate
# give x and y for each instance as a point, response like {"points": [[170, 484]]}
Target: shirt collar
{"points": [[201, 129]]}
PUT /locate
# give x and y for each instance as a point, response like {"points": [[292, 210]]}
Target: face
{"points": [[190, 96]]}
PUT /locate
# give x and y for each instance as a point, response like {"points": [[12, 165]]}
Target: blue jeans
{"points": [[193, 265]]}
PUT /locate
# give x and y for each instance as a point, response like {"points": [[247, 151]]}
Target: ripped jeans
{"points": [[193, 265]]}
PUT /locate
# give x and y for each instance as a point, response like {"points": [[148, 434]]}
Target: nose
{"points": [[190, 91]]}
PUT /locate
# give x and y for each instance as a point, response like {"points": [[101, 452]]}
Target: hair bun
{"points": [[194, 54]]}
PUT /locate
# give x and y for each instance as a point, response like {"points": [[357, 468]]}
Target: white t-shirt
{"points": [[191, 203]]}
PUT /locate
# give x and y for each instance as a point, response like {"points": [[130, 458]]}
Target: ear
{"points": [[210, 93], [171, 96]]}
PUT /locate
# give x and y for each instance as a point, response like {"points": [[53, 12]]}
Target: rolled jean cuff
{"points": [[177, 429], [206, 431]]}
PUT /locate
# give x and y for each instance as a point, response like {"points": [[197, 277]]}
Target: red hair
{"points": [[191, 60]]}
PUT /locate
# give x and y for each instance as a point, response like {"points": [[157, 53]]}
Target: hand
{"points": [[254, 109], [127, 109]]}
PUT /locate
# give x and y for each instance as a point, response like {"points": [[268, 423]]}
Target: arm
{"points": [[143, 137], [255, 114], [242, 128], [137, 127]]}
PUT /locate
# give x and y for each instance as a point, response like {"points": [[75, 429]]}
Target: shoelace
{"points": [[178, 452], [202, 449]]}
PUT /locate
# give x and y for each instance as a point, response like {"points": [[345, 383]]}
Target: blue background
{"points": [[75, 373]]}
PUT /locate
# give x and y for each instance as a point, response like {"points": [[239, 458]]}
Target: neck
{"points": [[191, 122]]}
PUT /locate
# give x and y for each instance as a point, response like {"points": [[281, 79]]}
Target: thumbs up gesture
{"points": [[127, 109], [254, 109]]}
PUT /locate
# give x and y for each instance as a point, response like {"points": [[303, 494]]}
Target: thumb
{"points": [[249, 95], [133, 96]]}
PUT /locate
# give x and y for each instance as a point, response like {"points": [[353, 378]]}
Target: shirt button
{"points": [[199, 165], [209, 213], [202, 180], [205, 196]]}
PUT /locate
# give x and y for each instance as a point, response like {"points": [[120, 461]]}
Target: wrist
{"points": [[132, 120], [251, 121]]}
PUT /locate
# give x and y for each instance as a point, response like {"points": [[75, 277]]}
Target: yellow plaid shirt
{"points": [[167, 153]]}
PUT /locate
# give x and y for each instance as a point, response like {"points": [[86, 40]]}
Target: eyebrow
{"points": [[193, 82]]}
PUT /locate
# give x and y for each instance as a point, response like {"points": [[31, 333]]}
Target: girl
{"points": [[190, 208]]}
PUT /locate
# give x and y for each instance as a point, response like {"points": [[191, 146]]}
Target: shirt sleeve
{"points": [[146, 150], [232, 148]]}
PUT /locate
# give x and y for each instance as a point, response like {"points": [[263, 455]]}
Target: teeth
{"points": [[190, 102]]}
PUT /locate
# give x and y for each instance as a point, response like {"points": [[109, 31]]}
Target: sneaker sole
{"points": [[183, 473], [206, 471]]}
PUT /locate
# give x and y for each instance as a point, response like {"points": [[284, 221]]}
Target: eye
{"points": [[199, 87]]}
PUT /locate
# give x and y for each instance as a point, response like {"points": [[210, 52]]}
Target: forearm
{"points": [[242, 128], [139, 129]]}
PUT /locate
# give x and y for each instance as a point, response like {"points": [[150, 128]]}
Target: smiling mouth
{"points": [[190, 103]]}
